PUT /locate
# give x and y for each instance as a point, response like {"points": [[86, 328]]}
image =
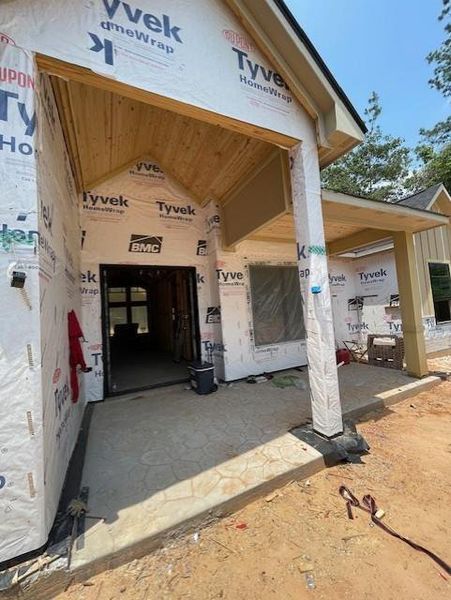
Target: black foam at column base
{"points": [[348, 446]]}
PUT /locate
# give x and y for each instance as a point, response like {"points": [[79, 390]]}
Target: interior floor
{"points": [[137, 368]]}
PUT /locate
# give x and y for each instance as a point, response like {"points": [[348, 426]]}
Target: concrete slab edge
{"points": [[385, 399]]}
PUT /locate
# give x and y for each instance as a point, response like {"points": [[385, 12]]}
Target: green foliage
{"points": [[434, 151], [439, 135], [436, 168], [441, 57], [375, 169]]}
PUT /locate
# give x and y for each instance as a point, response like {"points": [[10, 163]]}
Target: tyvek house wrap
{"points": [[143, 217], [194, 52], [145, 203], [365, 300], [39, 236], [214, 65], [59, 286], [364, 297]]}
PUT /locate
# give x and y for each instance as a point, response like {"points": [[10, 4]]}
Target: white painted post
{"points": [[314, 283]]}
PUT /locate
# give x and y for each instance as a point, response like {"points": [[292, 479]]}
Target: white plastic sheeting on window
{"points": [[242, 355], [276, 304]]}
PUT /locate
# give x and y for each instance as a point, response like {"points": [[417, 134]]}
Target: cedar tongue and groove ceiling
{"points": [[107, 133]]}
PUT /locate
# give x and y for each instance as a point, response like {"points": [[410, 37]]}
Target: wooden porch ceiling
{"points": [[347, 217], [282, 230], [107, 133]]}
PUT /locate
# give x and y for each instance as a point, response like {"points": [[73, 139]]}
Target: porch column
{"points": [[409, 299], [314, 284]]}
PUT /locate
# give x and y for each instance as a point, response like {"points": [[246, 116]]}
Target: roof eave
{"points": [[276, 32], [431, 219]]}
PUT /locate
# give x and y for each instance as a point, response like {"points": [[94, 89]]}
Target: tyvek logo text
{"points": [[9, 102], [105, 204], [252, 71], [160, 25], [174, 212]]}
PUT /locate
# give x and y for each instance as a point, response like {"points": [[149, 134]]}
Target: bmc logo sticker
{"points": [[355, 303], [213, 314], [145, 243], [201, 248]]}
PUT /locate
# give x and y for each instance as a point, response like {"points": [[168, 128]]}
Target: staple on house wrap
{"points": [[30, 356], [26, 299], [31, 485], [30, 422]]}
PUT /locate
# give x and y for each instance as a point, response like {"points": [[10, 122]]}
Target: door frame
{"points": [[194, 310]]}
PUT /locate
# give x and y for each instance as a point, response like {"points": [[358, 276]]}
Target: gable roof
{"points": [[424, 199], [294, 24]]}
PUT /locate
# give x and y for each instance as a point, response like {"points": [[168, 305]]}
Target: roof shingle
{"points": [[421, 199]]}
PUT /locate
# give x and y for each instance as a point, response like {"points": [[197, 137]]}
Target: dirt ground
{"points": [[441, 364], [301, 533]]}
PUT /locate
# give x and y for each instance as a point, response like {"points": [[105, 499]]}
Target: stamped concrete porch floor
{"points": [[160, 459]]}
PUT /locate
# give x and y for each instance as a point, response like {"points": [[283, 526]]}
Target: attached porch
{"points": [[352, 223]]}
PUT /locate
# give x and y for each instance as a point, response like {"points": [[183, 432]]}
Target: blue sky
{"points": [[380, 45]]}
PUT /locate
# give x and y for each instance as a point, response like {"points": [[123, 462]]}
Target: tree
{"points": [[434, 150], [377, 168], [441, 79], [435, 168]]}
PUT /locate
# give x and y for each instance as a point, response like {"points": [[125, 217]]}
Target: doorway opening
{"points": [[150, 326]]}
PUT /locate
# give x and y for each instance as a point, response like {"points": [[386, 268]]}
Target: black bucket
{"points": [[202, 377]]}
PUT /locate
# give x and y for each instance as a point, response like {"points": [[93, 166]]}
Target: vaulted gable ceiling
{"points": [[107, 132]]}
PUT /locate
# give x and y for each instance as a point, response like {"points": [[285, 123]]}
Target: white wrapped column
{"points": [[314, 283]]}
